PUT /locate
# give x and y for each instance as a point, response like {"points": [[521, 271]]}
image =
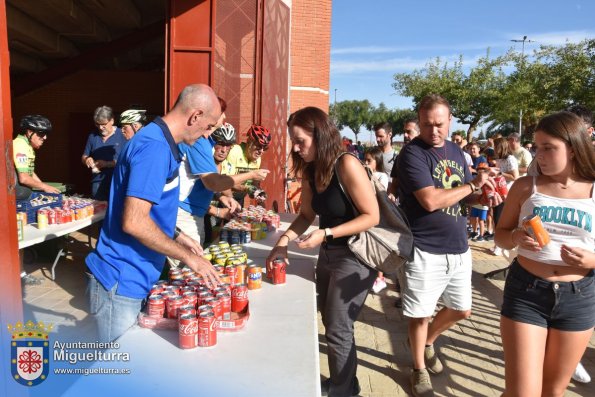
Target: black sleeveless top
{"points": [[332, 207]]}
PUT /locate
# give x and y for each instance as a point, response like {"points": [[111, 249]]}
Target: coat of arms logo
{"points": [[30, 358]]}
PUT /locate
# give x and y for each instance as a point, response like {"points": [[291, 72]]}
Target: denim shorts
{"points": [[566, 306]]}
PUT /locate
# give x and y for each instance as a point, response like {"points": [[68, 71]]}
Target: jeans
{"points": [[342, 283], [565, 306], [113, 313]]}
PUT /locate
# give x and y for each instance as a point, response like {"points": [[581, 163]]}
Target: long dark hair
{"points": [[376, 154], [572, 130], [327, 143]]}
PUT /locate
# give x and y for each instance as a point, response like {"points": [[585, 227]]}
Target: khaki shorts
{"points": [[430, 276]]}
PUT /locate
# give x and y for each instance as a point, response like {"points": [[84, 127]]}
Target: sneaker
{"points": [[497, 251], [28, 279], [479, 239], [379, 285], [421, 385], [472, 235], [580, 374], [432, 361]]}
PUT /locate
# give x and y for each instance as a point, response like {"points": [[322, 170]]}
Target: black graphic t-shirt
{"points": [[420, 165]]}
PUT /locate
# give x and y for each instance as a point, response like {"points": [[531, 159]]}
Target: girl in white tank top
{"points": [[544, 331]]}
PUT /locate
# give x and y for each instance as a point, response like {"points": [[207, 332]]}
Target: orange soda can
{"points": [[254, 277], [534, 227]]}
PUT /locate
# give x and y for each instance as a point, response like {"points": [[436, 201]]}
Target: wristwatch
{"points": [[328, 235]]}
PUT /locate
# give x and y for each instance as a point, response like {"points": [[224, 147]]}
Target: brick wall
{"points": [[310, 53]]}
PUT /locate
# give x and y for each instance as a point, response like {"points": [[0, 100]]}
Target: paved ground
{"points": [[471, 351]]}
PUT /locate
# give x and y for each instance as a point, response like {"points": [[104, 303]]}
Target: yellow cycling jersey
{"points": [[23, 155], [239, 162]]}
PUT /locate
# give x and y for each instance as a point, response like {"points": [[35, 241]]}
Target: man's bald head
{"points": [[194, 114], [197, 96]]}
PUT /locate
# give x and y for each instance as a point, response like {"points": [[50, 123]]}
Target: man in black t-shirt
{"points": [[433, 179]]}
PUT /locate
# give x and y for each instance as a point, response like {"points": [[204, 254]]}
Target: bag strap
{"points": [[336, 168]]}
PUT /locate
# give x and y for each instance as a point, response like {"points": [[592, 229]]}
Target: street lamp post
{"points": [[336, 96], [523, 40]]}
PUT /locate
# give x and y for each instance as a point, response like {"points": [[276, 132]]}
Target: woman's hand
{"points": [[278, 252], [520, 238], [311, 240], [578, 257]]}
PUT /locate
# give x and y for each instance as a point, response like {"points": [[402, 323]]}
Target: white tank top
{"points": [[568, 222]]}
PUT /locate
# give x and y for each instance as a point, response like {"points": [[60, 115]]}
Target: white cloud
{"points": [[394, 64]]}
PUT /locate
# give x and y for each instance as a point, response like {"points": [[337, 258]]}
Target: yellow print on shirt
{"points": [[450, 174]]}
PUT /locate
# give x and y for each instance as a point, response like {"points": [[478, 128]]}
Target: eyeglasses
{"points": [[103, 125], [42, 135], [260, 147]]}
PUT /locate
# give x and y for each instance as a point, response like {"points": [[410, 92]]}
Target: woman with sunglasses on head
{"points": [[547, 315], [246, 157], [342, 281]]}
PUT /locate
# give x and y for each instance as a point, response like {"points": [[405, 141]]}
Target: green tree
{"points": [[471, 95], [352, 114]]}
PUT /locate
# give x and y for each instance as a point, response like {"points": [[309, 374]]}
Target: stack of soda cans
{"points": [[186, 298]]}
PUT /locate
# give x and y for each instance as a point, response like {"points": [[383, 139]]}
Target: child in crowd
{"points": [[373, 160]]}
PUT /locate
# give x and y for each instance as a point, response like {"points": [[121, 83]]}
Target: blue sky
{"points": [[372, 40]]}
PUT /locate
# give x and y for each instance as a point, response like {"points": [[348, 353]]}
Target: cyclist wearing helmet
{"points": [[101, 151], [200, 178], [131, 121], [34, 130], [246, 157]]}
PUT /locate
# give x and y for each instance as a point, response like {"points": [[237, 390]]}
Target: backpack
{"points": [[388, 245]]}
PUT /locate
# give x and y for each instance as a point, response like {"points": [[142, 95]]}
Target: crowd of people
{"points": [[170, 181]]}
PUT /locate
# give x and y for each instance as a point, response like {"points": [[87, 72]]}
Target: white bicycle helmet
{"points": [[133, 116], [225, 134]]}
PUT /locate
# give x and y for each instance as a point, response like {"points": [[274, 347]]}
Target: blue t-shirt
{"points": [[420, 165], [478, 160], [147, 169], [198, 160], [107, 151]]}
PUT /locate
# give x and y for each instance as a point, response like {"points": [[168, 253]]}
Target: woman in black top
{"points": [[342, 282]]}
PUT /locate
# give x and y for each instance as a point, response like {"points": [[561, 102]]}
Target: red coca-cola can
{"points": [[156, 306], [186, 309], [225, 300], [231, 271], [239, 298], [279, 274], [191, 298], [205, 308], [202, 295], [487, 192], [501, 186], [173, 304], [226, 287], [188, 331], [156, 289], [207, 330], [215, 303], [51, 217]]}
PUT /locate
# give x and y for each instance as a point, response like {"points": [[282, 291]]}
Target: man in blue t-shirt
{"points": [[138, 230], [433, 180], [199, 179], [102, 150]]}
